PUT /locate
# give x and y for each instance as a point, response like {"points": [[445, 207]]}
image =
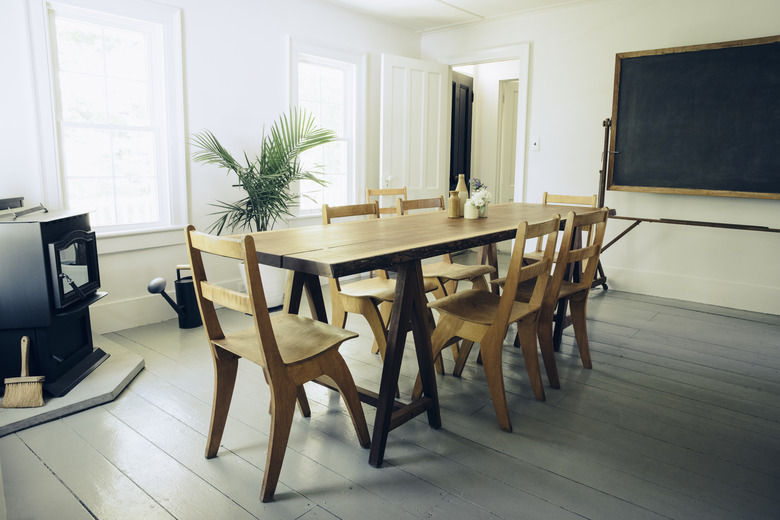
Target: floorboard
{"points": [[679, 418]]}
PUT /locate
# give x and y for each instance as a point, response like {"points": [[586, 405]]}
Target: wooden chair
{"points": [[591, 201], [385, 192], [446, 273], [292, 350], [571, 200], [480, 316], [370, 297], [582, 260]]}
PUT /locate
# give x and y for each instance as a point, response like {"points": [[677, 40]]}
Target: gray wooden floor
{"points": [[679, 418]]}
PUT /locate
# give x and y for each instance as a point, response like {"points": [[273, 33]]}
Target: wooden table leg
{"points": [[409, 305], [296, 283], [488, 255]]}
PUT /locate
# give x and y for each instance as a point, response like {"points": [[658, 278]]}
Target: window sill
{"points": [[109, 243]]}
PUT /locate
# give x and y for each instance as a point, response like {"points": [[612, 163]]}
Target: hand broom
{"points": [[24, 391]]}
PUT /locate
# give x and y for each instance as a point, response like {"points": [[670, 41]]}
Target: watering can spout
{"points": [[187, 308]]}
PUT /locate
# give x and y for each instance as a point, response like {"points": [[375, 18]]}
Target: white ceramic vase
{"points": [[470, 211]]}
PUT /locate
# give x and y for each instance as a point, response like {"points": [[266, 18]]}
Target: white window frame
{"points": [[356, 162], [173, 210]]}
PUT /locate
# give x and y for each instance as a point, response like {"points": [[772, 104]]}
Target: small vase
{"points": [[463, 191], [453, 205], [470, 211], [483, 211]]}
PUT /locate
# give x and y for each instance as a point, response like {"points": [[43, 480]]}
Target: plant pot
{"points": [[274, 282]]}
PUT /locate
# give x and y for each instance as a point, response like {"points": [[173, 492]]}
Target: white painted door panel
{"points": [[415, 121]]}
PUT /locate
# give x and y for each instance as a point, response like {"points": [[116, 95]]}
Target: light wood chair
{"points": [[385, 192], [571, 200], [370, 297], [446, 273], [581, 260], [480, 316], [291, 349], [591, 201]]}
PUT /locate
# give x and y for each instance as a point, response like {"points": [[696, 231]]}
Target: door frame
{"points": [[520, 52]]}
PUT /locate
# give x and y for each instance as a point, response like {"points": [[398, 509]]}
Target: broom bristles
{"points": [[23, 392]]}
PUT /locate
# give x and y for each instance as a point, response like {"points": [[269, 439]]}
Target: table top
{"points": [[344, 248]]}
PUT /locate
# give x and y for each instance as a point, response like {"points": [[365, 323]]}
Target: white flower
{"points": [[480, 198]]}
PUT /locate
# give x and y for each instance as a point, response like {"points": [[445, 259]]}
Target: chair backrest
{"points": [[576, 200], [585, 258], [518, 272], [370, 210], [405, 206], [385, 192], [210, 294], [590, 201]]}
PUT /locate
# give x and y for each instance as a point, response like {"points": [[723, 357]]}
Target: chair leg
{"points": [[281, 422], [578, 304], [494, 374], [337, 370], [479, 283], [445, 331], [225, 370], [303, 402], [463, 354], [385, 308], [526, 331], [374, 318], [545, 334]]}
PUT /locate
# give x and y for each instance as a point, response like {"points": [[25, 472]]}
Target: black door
{"points": [[460, 139]]}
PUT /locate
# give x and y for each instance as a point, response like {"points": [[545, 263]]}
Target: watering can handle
{"points": [[181, 267]]}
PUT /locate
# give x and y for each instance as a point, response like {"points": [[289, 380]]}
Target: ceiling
{"points": [[423, 15]]}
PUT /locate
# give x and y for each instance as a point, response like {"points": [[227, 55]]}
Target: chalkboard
{"points": [[702, 120]]}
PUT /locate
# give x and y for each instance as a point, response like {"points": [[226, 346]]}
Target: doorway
{"points": [[460, 129]]}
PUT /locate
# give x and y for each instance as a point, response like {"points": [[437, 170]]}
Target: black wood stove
{"points": [[49, 277]]}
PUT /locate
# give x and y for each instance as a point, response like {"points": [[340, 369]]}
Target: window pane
{"points": [[127, 102], [134, 154], [86, 153], [83, 98], [93, 195], [80, 46], [136, 200], [126, 54]]}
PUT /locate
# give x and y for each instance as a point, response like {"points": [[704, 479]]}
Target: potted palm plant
{"points": [[267, 178]]}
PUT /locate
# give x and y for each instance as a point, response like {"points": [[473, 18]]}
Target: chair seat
{"points": [[478, 306], [456, 271], [299, 338], [525, 289], [380, 289]]}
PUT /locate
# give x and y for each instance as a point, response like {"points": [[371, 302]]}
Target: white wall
{"points": [[236, 74], [570, 94]]}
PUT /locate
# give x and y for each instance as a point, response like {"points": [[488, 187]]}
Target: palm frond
{"points": [[267, 178]]}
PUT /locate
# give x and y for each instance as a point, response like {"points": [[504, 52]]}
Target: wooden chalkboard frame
{"points": [[745, 180]]}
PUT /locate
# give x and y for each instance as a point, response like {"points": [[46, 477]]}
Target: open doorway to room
{"points": [[493, 132]]}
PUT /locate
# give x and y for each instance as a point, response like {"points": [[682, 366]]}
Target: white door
{"points": [[415, 126], [507, 140]]}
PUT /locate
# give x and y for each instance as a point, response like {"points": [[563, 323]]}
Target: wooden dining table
{"points": [[396, 244]]}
